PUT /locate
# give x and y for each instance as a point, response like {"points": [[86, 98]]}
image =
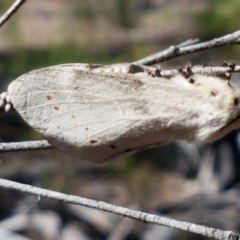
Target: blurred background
{"points": [[195, 183]]}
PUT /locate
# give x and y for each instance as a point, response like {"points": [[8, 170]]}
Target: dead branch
{"points": [[214, 71], [24, 146], [13, 9], [177, 51], [125, 212]]}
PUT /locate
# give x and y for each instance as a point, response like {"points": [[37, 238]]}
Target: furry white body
{"points": [[99, 112]]}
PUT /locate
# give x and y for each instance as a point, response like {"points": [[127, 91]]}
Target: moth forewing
{"points": [[100, 112]]}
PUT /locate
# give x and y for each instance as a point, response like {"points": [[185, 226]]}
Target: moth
{"points": [[100, 113]]}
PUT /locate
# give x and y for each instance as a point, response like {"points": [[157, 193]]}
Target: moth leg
{"points": [[227, 76], [150, 71], [154, 72], [197, 82], [187, 73], [5, 103], [230, 65]]}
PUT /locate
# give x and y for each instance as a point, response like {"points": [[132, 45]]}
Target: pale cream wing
{"points": [[100, 116]]}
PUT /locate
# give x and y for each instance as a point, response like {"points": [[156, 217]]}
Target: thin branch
{"points": [[125, 212], [188, 42], [176, 51], [215, 71], [13, 9], [169, 51], [24, 146]]}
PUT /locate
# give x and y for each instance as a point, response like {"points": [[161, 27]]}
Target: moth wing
{"points": [[81, 113], [99, 114]]}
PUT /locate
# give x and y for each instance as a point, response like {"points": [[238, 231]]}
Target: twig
{"points": [[24, 146], [126, 212], [167, 52], [215, 71], [188, 42], [13, 9], [176, 51]]}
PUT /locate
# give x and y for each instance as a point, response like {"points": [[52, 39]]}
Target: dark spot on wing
{"points": [[49, 97], [236, 101], [191, 80], [92, 141], [213, 93], [57, 108], [86, 128], [139, 108], [73, 116], [137, 83], [113, 146]]}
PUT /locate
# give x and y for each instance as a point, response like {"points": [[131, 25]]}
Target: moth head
{"points": [[229, 106], [224, 102]]}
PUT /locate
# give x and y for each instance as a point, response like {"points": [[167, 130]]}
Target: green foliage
{"points": [[216, 19], [4, 5], [125, 13], [219, 18]]}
